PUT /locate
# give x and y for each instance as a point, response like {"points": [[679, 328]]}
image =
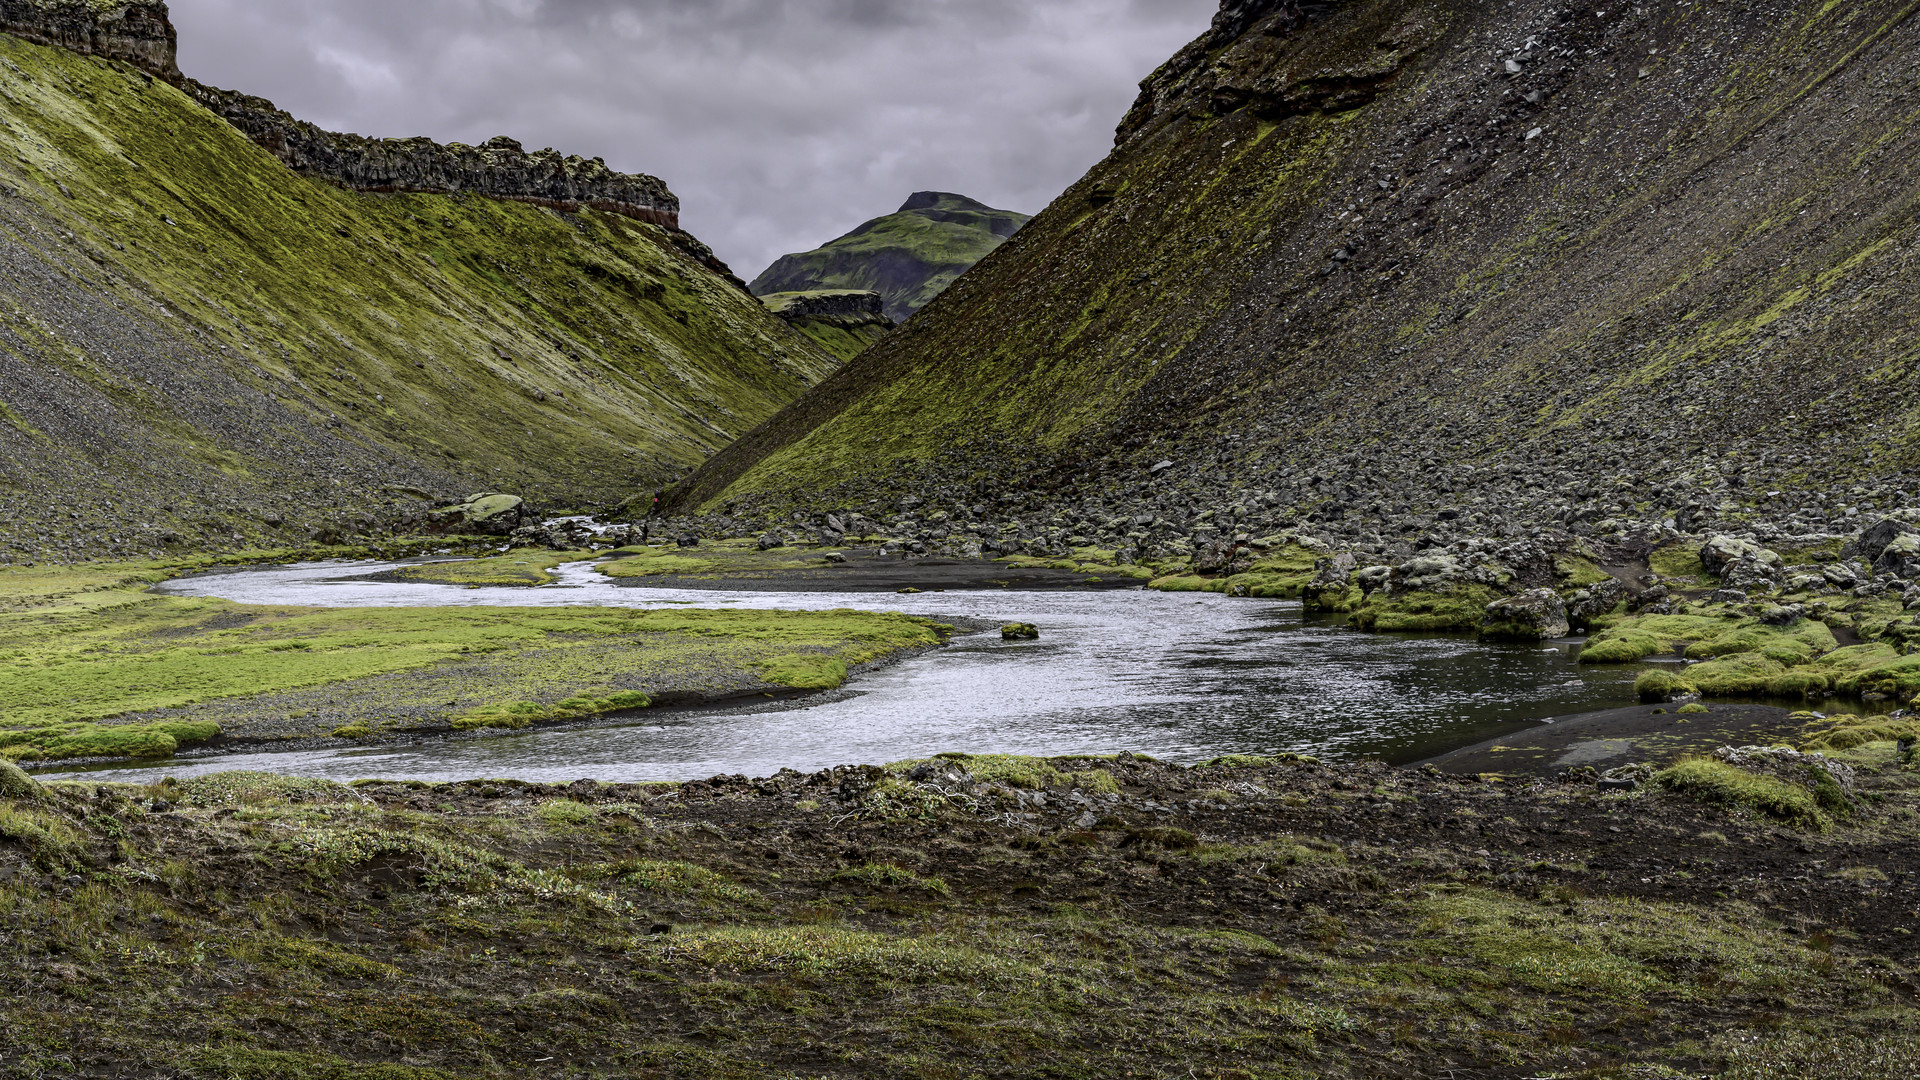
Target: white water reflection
{"points": [[1182, 676]]}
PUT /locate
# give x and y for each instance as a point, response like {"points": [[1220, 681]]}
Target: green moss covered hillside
{"points": [[1366, 260], [200, 347], [908, 257]]}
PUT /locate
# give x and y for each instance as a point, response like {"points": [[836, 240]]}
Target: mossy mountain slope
{"points": [[908, 257], [1396, 254], [199, 346]]}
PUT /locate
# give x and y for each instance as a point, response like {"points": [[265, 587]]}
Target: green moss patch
{"points": [[1462, 608], [1649, 635], [514, 568], [72, 665], [1683, 564], [804, 672], [1717, 782]]}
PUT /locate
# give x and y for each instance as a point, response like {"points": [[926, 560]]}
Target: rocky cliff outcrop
{"points": [[139, 32], [500, 168], [136, 31], [1404, 268], [845, 322], [850, 305]]}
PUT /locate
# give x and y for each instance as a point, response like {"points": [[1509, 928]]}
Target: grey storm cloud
{"points": [[779, 123]]}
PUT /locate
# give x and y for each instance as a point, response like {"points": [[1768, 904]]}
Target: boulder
{"points": [[487, 513], [1215, 558], [1782, 614], [16, 784], [1373, 578], [1741, 564], [1329, 584], [1594, 601], [1534, 615], [1874, 540], [1900, 557], [1427, 573], [1019, 631], [1785, 763], [1842, 575]]}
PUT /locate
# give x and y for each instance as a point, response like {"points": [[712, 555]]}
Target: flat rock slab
{"points": [[1603, 740]]}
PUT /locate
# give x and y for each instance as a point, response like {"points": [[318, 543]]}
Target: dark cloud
{"points": [[779, 123]]}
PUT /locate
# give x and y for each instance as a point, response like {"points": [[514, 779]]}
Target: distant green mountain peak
{"points": [[908, 257]]}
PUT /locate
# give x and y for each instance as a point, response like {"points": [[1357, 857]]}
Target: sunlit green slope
{"points": [[195, 341]]}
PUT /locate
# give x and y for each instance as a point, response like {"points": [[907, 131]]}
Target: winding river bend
{"points": [[1181, 676]]}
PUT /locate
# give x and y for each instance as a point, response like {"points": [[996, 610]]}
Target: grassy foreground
{"points": [[995, 917], [91, 664]]}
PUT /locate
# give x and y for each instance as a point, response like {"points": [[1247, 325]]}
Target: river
{"points": [[1180, 676]]}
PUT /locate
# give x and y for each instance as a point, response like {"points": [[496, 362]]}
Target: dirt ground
{"points": [[963, 917]]}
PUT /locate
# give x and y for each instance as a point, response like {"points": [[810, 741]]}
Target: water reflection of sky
{"points": [[1181, 676]]}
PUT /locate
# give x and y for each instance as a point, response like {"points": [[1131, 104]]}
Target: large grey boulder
{"points": [[487, 513], [1534, 615], [1900, 557], [1594, 601], [1329, 583], [1741, 564]]}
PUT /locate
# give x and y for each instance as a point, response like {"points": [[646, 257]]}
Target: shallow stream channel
{"points": [[1180, 676]]}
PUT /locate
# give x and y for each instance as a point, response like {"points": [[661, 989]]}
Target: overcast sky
{"points": [[780, 123]]}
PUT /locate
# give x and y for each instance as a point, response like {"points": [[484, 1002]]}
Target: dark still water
{"points": [[1180, 676]]}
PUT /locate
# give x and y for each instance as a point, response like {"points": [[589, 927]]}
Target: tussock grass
{"points": [[1717, 782]]}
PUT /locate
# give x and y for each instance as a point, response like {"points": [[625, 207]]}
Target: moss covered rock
{"points": [[16, 784], [1534, 615]]}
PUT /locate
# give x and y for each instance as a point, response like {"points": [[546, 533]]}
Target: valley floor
{"points": [[961, 917]]}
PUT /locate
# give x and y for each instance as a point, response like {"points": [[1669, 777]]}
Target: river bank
{"points": [[99, 666], [964, 917]]}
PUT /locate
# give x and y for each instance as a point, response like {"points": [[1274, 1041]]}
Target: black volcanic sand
{"points": [[1651, 733], [867, 571]]}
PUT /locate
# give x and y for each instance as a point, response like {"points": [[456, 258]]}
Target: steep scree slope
{"points": [[1362, 259], [907, 257], [199, 346]]}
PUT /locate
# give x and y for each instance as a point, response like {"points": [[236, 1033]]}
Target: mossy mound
{"points": [[1717, 782], [1845, 731], [16, 784], [1461, 608], [56, 741]]}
